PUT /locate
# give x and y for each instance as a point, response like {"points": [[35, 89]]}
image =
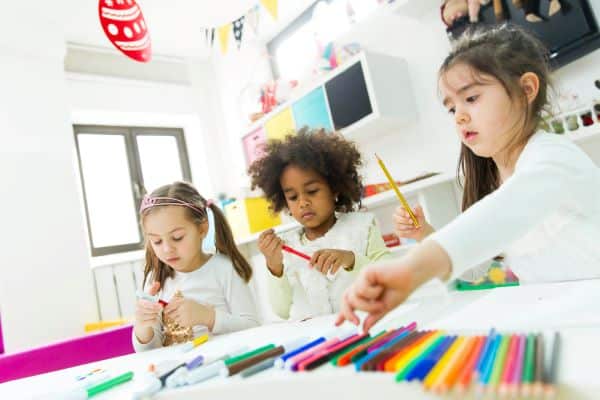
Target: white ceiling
{"points": [[176, 25]]}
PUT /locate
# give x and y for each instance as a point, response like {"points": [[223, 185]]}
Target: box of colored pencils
{"points": [[496, 275]]}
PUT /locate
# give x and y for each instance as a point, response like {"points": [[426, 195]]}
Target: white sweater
{"points": [[545, 217], [303, 292], [215, 283]]}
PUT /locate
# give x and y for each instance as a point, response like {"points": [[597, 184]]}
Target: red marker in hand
{"points": [[295, 252]]}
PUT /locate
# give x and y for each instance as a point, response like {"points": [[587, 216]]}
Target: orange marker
{"points": [[449, 380]]}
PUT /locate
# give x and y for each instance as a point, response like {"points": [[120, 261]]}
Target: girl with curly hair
{"points": [[314, 176]]}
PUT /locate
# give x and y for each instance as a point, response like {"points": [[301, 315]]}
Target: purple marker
{"points": [[195, 363]]}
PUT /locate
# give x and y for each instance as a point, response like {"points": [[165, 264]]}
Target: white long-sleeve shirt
{"points": [[545, 217], [215, 283]]}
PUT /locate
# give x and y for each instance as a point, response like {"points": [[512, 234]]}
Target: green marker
{"points": [[499, 361], [529, 356], [249, 354], [109, 384]]}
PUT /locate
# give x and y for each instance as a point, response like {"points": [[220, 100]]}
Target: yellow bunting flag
{"points": [[223, 32], [271, 6]]}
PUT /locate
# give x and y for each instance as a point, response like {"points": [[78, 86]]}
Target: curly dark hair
{"points": [[329, 154]]}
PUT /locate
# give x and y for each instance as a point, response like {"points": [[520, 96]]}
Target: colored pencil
{"points": [[248, 354], [398, 194], [327, 354], [293, 362], [439, 370], [509, 364], [551, 367], [468, 372], [295, 252], [109, 384], [488, 363], [362, 363], [515, 380], [424, 367], [237, 367], [261, 366], [404, 373], [346, 358], [399, 363], [539, 365], [528, 365], [281, 360], [499, 362], [448, 381], [398, 349]]}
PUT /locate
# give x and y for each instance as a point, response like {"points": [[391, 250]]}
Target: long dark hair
{"points": [[505, 53], [224, 242]]}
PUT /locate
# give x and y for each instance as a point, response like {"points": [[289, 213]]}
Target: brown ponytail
{"points": [[226, 245]]}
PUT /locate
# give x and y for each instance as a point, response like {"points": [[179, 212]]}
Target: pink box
{"points": [[68, 353]]}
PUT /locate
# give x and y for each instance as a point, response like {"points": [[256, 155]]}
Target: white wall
{"points": [[112, 101], [46, 290], [429, 145]]}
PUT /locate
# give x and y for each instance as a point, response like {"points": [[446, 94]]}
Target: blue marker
{"points": [[486, 372], [280, 362], [360, 362], [482, 356], [421, 370]]}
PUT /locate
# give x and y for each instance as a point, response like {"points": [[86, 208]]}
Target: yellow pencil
{"points": [[395, 187], [440, 370]]}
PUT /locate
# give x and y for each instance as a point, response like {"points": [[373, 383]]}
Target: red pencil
{"points": [[295, 252]]}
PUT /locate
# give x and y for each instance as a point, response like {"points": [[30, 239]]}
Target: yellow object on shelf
{"points": [[280, 125], [250, 215], [100, 325]]}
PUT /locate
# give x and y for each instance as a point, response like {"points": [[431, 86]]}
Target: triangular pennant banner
{"points": [[223, 33], [238, 30], [253, 18], [271, 6]]}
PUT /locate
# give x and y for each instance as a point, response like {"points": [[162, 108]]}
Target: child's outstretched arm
{"points": [[380, 287]]}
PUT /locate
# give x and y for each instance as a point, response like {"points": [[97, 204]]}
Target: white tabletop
{"points": [[570, 307]]}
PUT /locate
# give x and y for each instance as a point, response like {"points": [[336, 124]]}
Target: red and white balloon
{"points": [[125, 27]]}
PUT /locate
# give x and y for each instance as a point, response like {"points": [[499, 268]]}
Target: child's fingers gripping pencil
{"points": [[295, 252], [400, 196]]}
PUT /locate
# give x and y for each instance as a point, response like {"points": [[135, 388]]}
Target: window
{"points": [[295, 50], [118, 165]]}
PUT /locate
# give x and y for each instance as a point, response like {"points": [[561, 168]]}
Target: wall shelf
{"points": [[370, 94]]}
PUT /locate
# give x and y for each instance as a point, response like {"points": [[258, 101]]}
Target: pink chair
{"points": [[69, 353], [1, 338]]}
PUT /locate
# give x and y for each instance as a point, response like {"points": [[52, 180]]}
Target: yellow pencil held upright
{"points": [[400, 197]]}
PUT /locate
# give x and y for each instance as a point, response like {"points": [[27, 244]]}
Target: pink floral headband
{"points": [[149, 202]]}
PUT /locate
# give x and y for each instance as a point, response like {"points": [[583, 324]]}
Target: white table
{"points": [[571, 307]]}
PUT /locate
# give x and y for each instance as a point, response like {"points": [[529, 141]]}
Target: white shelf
{"points": [[407, 190], [369, 202]]}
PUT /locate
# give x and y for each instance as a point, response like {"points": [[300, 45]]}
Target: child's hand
{"points": [[404, 227], [147, 315], [331, 260], [188, 313], [381, 287], [270, 245], [378, 289]]}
